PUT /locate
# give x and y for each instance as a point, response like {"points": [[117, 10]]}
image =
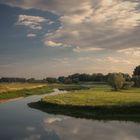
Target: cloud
{"points": [[31, 35], [87, 49], [118, 60], [52, 120], [33, 22], [109, 24], [71, 128], [133, 52], [54, 44]]}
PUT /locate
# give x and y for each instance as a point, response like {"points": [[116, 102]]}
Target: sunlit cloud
{"points": [[31, 35], [33, 22], [106, 23], [54, 44], [87, 49], [109, 25], [108, 29], [133, 52]]}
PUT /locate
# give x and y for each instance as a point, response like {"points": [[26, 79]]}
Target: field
{"points": [[98, 96], [15, 90], [5, 87], [98, 102]]}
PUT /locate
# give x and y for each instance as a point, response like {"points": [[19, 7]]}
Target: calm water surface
{"points": [[19, 122]]}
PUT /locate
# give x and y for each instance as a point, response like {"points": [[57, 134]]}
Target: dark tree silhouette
{"points": [[137, 71]]}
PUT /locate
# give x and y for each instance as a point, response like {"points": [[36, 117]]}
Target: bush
{"points": [[116, 80], [128, 85], [136, 80]]}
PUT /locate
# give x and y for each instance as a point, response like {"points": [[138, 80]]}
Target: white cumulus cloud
{"points": [[31, 35], [33, 22], [87, 49], [109, 24], [54, 44]]}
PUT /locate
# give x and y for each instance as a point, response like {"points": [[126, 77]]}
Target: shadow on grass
{"points": [[121, 113]]}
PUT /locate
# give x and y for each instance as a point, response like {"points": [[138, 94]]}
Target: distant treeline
{"points": [[95, 77], [21, 80], [79, 78], [74, 78]]}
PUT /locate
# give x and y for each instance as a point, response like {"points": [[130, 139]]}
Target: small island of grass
{"points": [[99, 102]]}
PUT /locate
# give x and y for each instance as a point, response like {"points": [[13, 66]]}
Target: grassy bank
{"points": [[23, 92], [5, 87], [10, 91], [98, 102]]}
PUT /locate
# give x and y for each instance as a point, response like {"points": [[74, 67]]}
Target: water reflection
{"points": [[68, 128], [20, 122]]}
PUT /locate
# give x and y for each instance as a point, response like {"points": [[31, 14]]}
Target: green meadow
{"points": [[100, 101], [97, 96], [15, 90]]}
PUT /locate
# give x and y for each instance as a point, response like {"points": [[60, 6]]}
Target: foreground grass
{"points": [[27, 89], [99, 102]]}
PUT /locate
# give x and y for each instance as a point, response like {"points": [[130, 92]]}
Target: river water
{"points": [[20, 122]]}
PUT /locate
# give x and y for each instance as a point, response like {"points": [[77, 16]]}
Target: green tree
{"points": [[136, 76], [116, 80], [136, 71], [136, 80], [51, 80]]}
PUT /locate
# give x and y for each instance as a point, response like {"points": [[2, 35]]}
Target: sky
{"points": [[43, 38]]}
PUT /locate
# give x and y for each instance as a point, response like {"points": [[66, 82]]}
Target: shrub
{"points": [[116, 80], [128, 85], [136, 80]]}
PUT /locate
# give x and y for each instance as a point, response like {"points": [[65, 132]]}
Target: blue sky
{"points": [[55, 37]]}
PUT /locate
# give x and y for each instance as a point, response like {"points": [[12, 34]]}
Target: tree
{"points": [[68, 81], [61, 79], [51, 80], [116, 80], [136, 76], [136, 71], [126, 76], [136, 80], [74, 78], [99, 77]]}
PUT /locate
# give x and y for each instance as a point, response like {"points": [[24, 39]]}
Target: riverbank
{"points": [[5, 87], [38, 90], [99, 102], [8, 100]]}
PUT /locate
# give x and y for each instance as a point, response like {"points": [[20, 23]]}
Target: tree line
{"points": [[116, 80]]}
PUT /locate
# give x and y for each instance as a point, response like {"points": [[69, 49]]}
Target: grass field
{"points": [[98, 96], [15, 90], [5, 87], [97, 102]]}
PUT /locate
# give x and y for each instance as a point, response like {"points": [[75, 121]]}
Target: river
{"points": [[20, 122]]}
